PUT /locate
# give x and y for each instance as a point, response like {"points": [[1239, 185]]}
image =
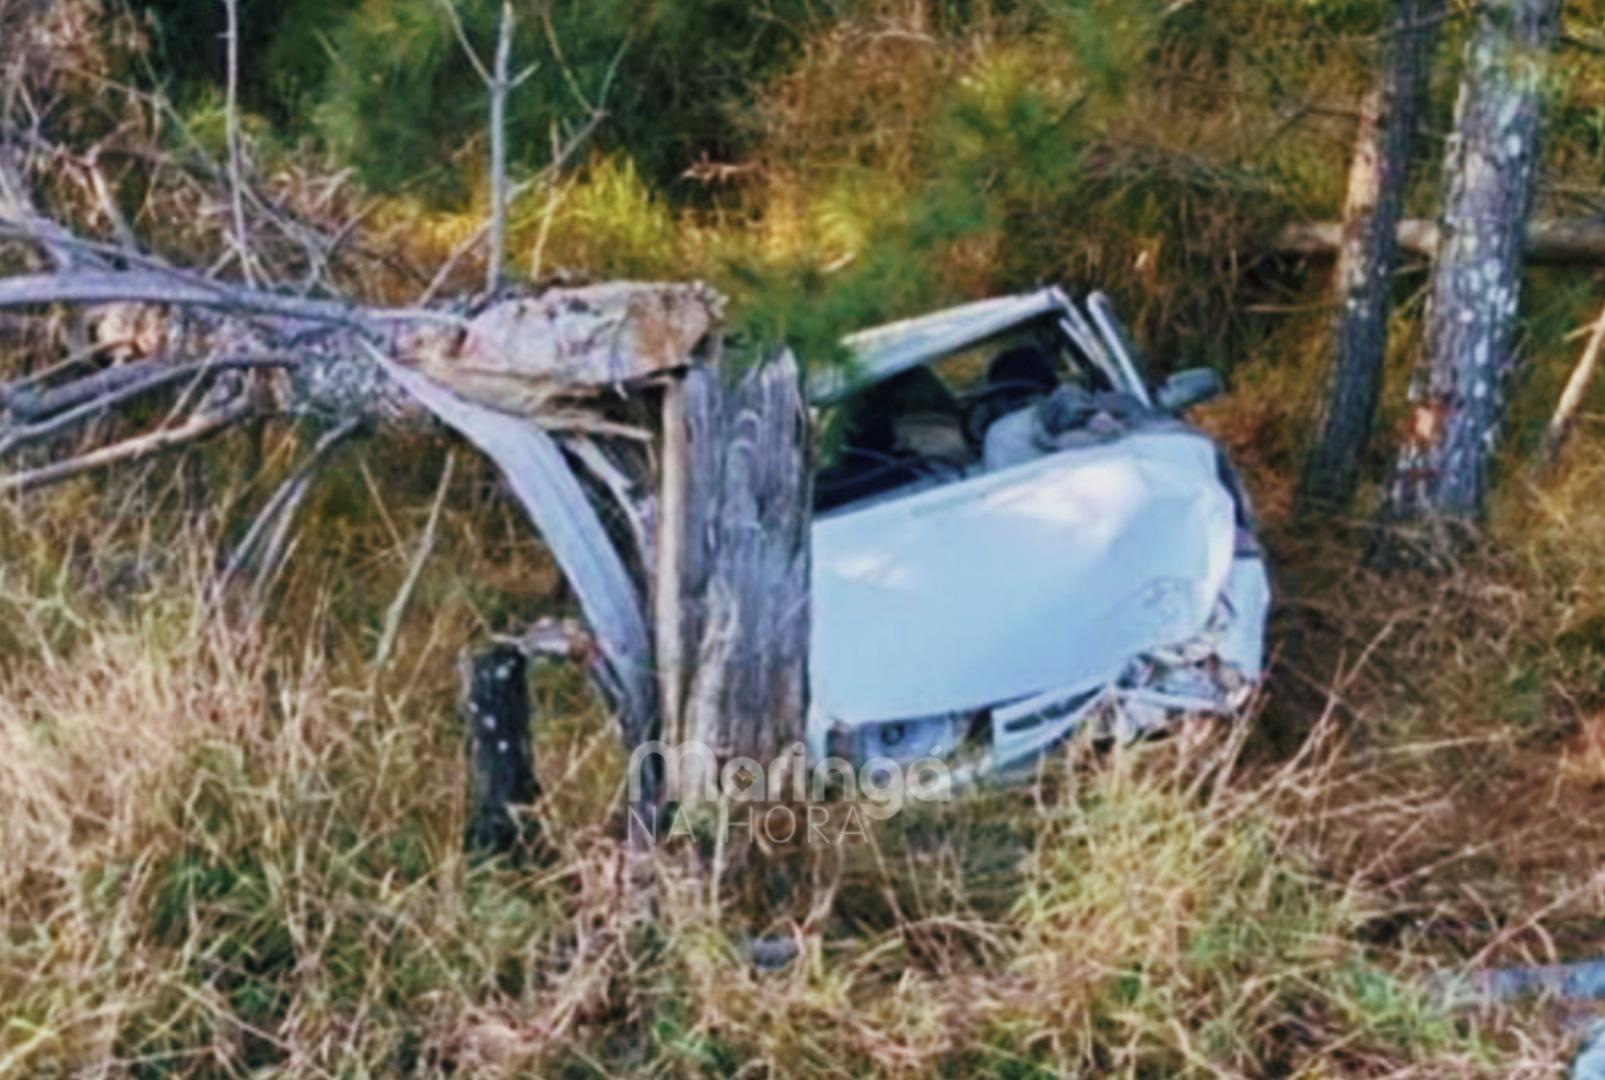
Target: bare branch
{"points": [[562, 153], [498, 84], [1557, 240], [498, 151], [28, 404], [101, 252], [108, 206], [200, 426], [24, 384], [198, 158], [242, 243], [93, 395], [568, 72], [277, 551], [17, 206], [462, 39], [177, 287], [1571, 398], [283, 501]]}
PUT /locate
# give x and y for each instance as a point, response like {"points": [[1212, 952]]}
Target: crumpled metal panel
{"points": [[1211, 672], [1052, 574]]}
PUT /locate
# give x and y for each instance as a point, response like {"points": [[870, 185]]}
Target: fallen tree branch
{"points": [[17, 205], [543, 356], [98, 249], [174, 287], [503, 370], [199, 426], [24, 384], [1571, 399], [283, 502], [29, 404], [1556, 240], [140, 379]]}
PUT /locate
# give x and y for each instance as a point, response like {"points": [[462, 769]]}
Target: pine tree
{"points": [[1365, 263], [1457, 397], [400, 101]]}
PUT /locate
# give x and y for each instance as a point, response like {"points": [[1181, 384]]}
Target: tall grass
{"points": [[226, 852]]}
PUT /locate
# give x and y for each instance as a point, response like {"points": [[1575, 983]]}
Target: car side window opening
{"points": [[914, 428], [903, 429], [1016, 377]]}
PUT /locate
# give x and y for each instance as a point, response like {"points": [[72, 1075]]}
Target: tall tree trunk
{"points": [[1365, 260], [1457, 396]]}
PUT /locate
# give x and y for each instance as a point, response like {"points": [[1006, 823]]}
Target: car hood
{"points": [[1044, 575]]}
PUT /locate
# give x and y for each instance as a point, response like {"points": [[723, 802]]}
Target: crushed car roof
{"points": [[888, 350]]}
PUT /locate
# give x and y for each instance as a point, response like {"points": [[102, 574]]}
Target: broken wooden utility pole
{"points": [[743, 622], [1363, 278], [1457, 396], [599, 404]]}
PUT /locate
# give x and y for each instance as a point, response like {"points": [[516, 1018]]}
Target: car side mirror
{"points": [[1190, 387]]}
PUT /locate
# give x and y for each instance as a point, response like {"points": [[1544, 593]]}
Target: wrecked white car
{"points": [[1018, 539]]}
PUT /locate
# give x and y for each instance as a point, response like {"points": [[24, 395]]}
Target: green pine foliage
{"points": [[402, 103]]}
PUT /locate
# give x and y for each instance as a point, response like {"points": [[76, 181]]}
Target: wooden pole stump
{"points": [[495, 694]]}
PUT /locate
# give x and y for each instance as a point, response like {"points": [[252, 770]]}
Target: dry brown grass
{"points": [[227, 853]]}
